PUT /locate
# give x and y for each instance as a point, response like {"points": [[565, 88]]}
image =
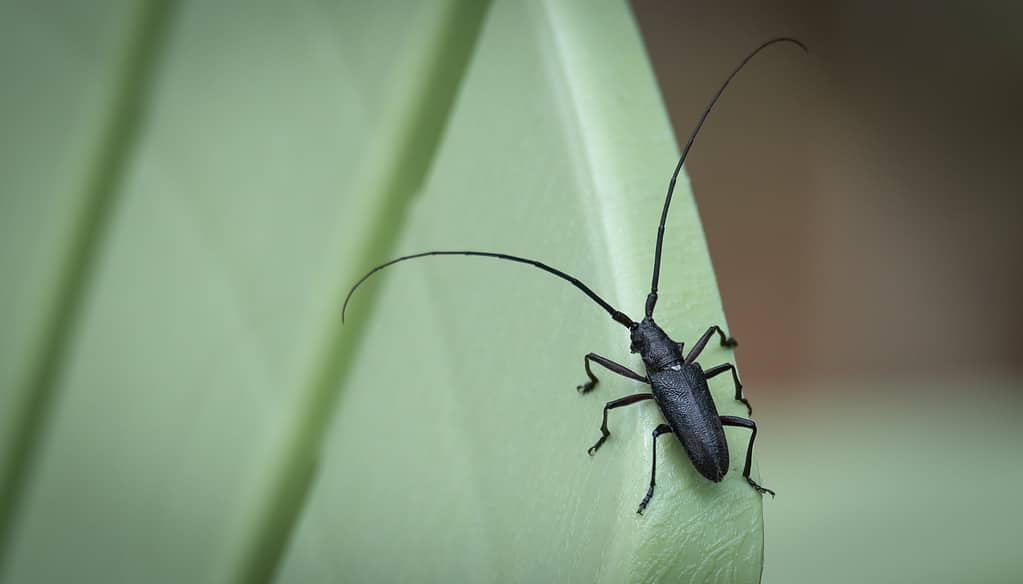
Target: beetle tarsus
{"points": [[749, 408], [646, 499], [758, 488]]}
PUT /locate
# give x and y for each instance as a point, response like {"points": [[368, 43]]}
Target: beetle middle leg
{"points": [[662, 429], [611, 366], [726, 341], [744, 423], [624, 401], [735, 377]]}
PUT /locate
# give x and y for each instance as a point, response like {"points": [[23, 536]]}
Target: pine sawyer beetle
{"points": [[678, 382]]}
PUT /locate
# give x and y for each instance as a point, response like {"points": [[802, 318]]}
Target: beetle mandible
{"points": [[678, 383]]}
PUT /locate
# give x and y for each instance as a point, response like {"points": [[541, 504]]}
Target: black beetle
{"points": [[678, 383]]}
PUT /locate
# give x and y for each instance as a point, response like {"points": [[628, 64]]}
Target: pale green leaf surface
{"points": [[237, 224], [58, 62], [272, 166], [458, 450]]}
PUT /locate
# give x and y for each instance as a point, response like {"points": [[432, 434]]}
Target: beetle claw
{"points": [[758, 488]]}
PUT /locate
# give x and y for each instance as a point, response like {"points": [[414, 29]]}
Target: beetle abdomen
{"points": [[684, 398]]}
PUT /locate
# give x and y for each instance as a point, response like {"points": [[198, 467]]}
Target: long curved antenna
{"points": [[615, 313], [651, 299]]}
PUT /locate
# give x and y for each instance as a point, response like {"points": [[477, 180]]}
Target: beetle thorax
{"points": [[654, 345]]}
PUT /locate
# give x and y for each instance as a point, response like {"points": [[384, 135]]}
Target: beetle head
{"points": [[653, 344], [642, 335], [638, 342]]}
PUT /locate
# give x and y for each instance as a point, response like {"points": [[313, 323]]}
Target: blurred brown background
{"points": [[862, 208], [862, 203]]}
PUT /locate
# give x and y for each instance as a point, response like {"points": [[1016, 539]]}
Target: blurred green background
{"points": [[189, 188]]}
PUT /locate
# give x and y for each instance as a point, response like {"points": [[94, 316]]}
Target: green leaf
{"points": [[459, 449], [207, 418]]}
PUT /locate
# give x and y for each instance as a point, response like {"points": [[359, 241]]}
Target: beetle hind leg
{"points": [[749, 424], [662, 429]]}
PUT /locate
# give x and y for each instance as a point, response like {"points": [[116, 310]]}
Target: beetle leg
{"points": [[662, 429], [623, 401], [735, 376], [744, 423], [726, 341], [610, 365]]}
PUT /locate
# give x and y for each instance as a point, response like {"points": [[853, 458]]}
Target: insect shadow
{"points": [[678, 384]]}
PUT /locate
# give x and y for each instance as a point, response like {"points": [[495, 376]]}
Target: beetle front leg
{"points": [[662, 429], [624, 401], [735, 377], [744, 423], [610, 365], [726, 341]]}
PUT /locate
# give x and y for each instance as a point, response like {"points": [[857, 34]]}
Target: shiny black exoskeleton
{"points": [[678, 383]]}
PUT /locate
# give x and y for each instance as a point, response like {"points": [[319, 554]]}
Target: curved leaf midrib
{"points": [[401, 155], [122, 118]]}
